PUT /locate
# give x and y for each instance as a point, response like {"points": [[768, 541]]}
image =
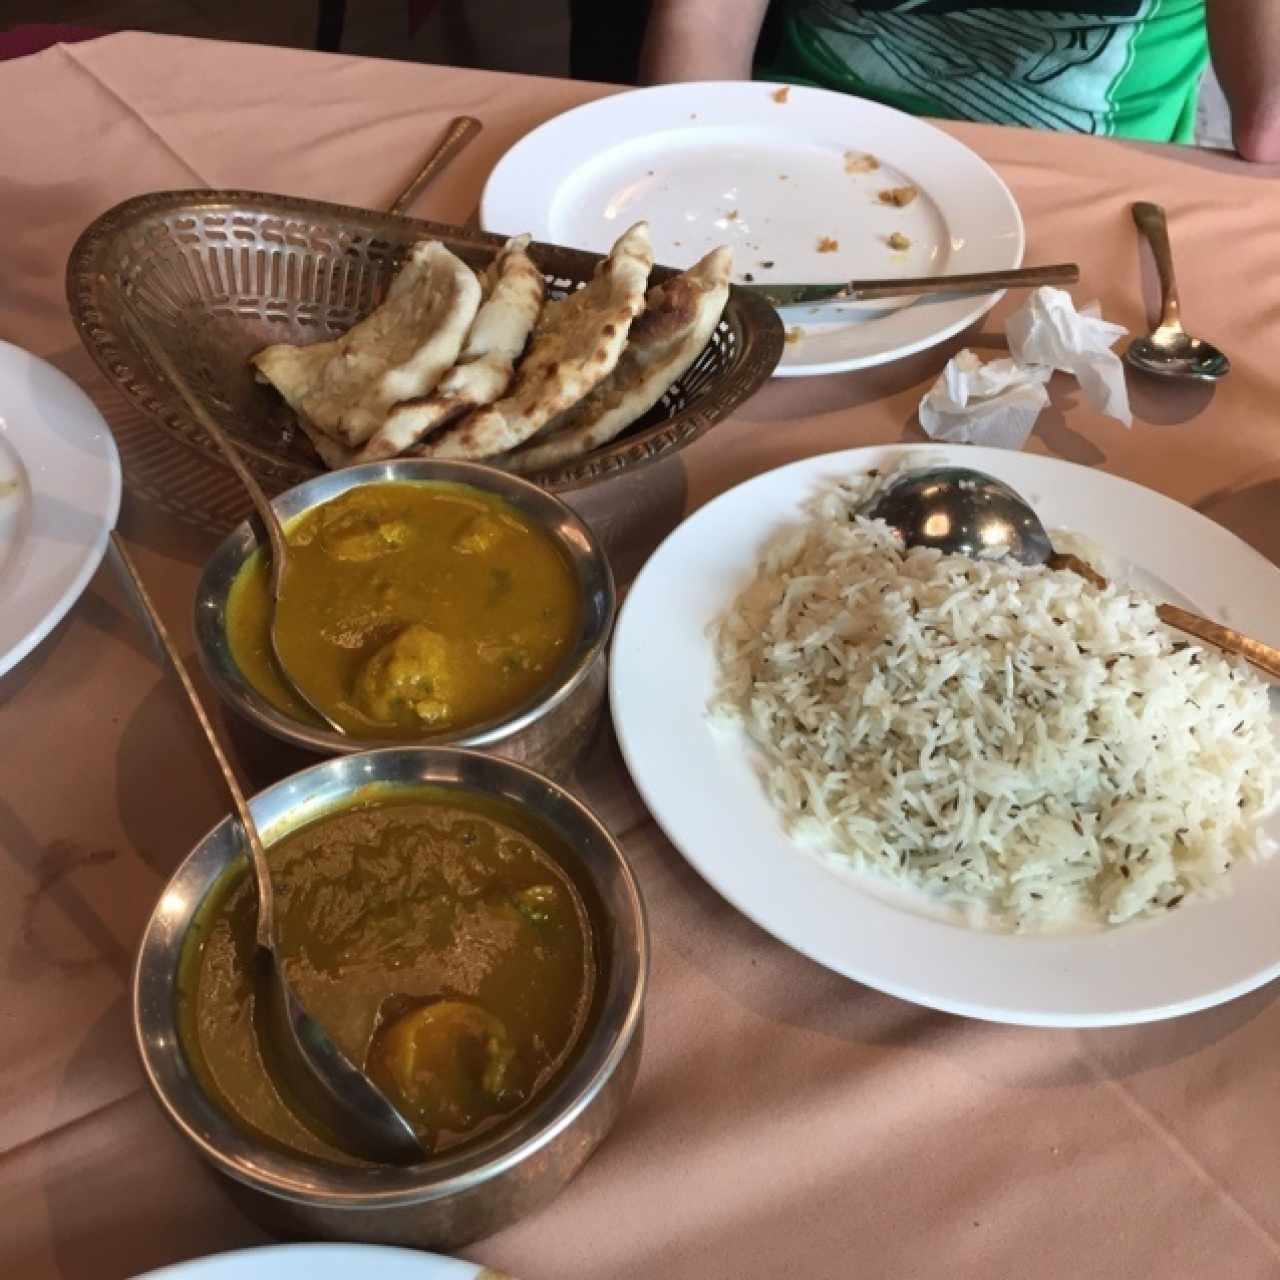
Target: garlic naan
{"points": [[575, 345], [345, 387], [679, 318], [512, 291]]}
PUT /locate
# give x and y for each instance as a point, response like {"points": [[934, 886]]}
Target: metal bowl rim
{"points": [[292, 1177], [212, 591]]}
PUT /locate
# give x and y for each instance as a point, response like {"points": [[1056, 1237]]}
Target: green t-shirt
{"points": [[1125, 67]]}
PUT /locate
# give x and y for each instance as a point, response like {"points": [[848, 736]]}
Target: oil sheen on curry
{"points": [[436, 940], [409, 610]]}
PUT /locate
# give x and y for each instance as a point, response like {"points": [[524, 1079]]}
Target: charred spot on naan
{"points": [[673, 308], [513, 289], [681, 315], [576, 344]]}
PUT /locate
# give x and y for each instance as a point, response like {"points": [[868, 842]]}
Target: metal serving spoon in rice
{"points": [[963, 512]]}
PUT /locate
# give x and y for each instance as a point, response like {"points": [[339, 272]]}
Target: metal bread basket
{"points": [[220, 274]]}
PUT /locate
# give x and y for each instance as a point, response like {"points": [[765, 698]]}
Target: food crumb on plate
{"points": [[898, 241], [899, 197], [732, 215], [748, 277], [793, 335], [782, 177], [827, 245], [767, 265], [860, 162], [780, 95]]}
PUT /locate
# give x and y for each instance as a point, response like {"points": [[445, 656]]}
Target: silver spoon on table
{"points": [[312, 1068], [261, 503], [969, 513], [460, 132], [1169, 351]]}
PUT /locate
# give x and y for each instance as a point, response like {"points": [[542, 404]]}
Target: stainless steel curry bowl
{"points": [[508, 1172], [545, 732]]}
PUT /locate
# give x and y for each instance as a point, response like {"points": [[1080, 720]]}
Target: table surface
{"points": [[786, 1121]]}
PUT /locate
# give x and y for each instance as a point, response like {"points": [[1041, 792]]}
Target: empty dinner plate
{"points": [[59, 497], [323, 1262], [784, 175], [703, 789]]}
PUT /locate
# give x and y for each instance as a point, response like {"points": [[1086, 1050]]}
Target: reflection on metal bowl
{"points": [[545, 732], [466, 1192]]}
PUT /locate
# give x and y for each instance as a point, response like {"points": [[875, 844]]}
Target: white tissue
{"points": [[975, 403], [1048, 330]]}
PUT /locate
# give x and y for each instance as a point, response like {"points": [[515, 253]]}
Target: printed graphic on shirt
{"points": [[1039, 66], [1085, 9]]}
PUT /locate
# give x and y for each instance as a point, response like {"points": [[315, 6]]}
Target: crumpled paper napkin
{"points": [[1049, 330], [975, 403], [998, 403]]}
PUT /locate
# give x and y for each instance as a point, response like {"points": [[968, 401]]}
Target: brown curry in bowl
{"points": [[438, 939], [410, 610]]}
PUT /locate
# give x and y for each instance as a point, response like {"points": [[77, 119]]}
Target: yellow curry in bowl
{"points": [[437, 938], [410, 610]]}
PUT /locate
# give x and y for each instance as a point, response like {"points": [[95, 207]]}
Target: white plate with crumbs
{"points": [[59, 497], [703, 788], [791, 177], [324, 1262]]}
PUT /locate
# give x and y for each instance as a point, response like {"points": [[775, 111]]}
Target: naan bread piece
{"points": [[512, 291], [345, 387], [575, 345], [335, 456], [679, 318]]}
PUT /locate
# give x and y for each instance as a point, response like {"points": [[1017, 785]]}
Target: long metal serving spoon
{"points": [[261, 503], [969, 513], [459, 134], [356, 1112], [1169, 351]]}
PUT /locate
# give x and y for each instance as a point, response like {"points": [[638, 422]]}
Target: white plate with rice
{"points": [[1004, 783]]}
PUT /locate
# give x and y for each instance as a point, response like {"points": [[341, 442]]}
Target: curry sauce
{"points": [[439, 945], [409, 610]]}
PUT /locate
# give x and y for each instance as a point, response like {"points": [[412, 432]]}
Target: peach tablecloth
{"points": [[786, 1121]]}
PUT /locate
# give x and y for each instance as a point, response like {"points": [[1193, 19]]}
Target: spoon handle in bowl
{"points": [[160, 633], [158, 356], [150, 346], [1262, 656]]}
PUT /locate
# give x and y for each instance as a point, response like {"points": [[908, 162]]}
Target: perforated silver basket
{"points": [[220, 274]]}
